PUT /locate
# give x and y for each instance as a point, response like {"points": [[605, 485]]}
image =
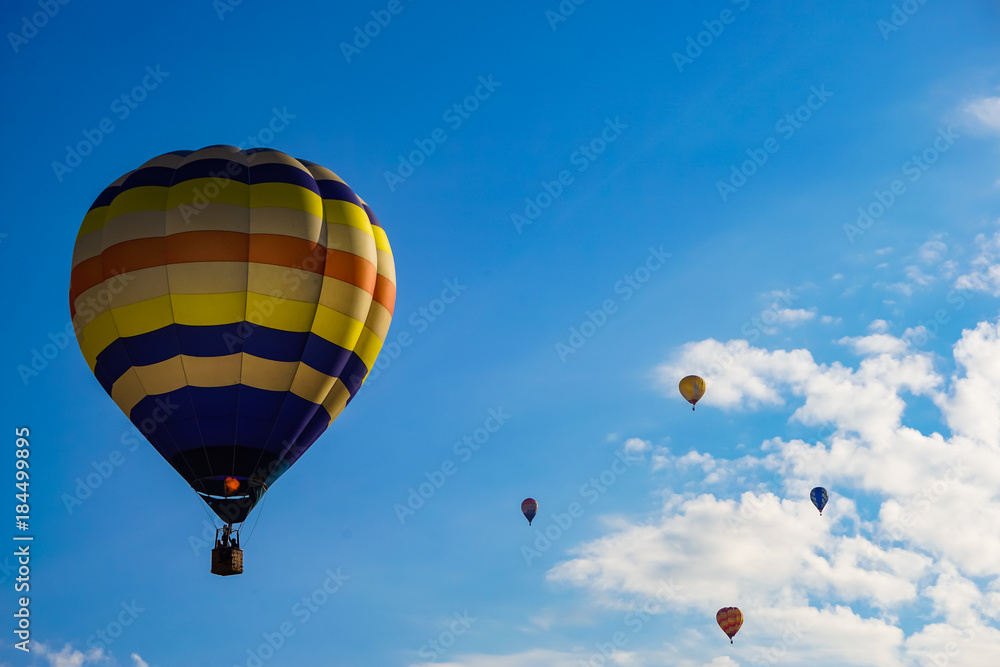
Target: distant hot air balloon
{"points": [[819, 496], [529, 507], [730, 619], [692, 389], [231, 302]]}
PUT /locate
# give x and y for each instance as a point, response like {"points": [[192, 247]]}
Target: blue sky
{"points": [[833, 352]]}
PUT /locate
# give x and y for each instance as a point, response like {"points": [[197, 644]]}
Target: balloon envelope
{"points": [[692, 389], [231, 303], [529, 507], [819, 497], [730, 619]]}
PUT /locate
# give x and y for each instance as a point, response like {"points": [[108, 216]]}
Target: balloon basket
{"points": [[227, 561]]}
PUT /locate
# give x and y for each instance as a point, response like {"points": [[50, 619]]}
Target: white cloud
{"points": [[794, 316], [533, 658], [928, 547], [828, 319], [973, 408], [879, 343], [70, 657], [985, 267], [878, 326], [985, 112], [139, 662], [932, 251], [637, 445]]}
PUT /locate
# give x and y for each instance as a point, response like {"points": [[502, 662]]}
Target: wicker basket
{"points": [[227, 561]]}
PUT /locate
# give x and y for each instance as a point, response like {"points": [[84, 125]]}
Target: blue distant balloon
{"points": [[819, 496]]}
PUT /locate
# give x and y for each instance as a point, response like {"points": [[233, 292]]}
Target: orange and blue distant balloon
{"points": [[730, 619]]}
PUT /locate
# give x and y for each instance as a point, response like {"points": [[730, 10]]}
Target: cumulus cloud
{"points": [[637, 445], [984, 274], [845, 578], [985, 112], [534, 658], [794, 316], [70, 657]]}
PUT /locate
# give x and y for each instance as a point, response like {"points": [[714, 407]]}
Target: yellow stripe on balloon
{"points": [[144, 316], [337, 328], [339, 212], [95, 336], [286, 195], [311, 384], [368, 347]]}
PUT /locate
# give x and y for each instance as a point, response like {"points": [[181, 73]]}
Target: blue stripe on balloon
{"points": [[337, 190]]}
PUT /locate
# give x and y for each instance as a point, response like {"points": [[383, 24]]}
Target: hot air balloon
{"points": [[692, 389], [231, 302], [529, 507], [730, 619], [819, 496]]}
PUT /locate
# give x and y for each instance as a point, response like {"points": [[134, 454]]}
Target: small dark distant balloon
{"points": [[819, 496], [529, 506]]}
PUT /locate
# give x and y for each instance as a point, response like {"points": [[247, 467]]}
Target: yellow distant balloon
{"points": [[692, 389]]}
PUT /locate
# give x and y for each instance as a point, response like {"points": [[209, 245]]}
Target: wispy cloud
{"points": [[985, 112]]}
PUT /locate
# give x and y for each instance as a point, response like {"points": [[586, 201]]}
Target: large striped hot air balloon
{"points": [[231, 302]]}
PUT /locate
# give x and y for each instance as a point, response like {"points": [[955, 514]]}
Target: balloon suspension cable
{"points": [[257, 520], [211, 517]]}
